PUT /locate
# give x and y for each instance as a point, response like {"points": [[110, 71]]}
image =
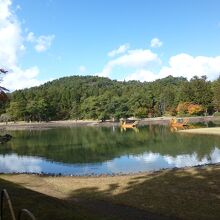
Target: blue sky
{"points": [[119, 39]]}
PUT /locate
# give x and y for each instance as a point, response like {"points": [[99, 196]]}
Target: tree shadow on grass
{"points": [[42, 206], [182, 193], [178, 194]]}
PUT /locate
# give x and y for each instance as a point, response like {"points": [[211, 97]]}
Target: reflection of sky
{"points": [[154, 161], [14, 163], [125, 164]]}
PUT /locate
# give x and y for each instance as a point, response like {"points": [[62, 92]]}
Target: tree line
{"points": [[92, 97]]}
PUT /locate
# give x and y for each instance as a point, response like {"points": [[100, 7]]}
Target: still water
{"points": [[101, 150]]}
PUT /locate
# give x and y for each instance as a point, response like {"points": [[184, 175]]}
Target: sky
{"points": [[42, 40]]}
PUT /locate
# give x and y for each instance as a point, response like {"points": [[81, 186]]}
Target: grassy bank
{"points": [[191, 193]]}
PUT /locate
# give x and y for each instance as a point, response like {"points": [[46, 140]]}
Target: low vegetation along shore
{"points": [[190, 193]]}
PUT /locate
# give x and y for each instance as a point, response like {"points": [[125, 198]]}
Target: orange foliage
{"points": [[182, 107], [189, 108], [195, 109]]}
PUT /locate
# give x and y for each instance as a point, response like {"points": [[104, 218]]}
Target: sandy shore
{"points": [[211, 131], [21, 125]]}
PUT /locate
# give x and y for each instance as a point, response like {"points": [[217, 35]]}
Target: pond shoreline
{"points": [[109, 175], [73, 123]]}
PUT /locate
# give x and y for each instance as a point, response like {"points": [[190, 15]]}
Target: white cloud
{"points": [[142, 75], [25, 77], [10, 35], [140, 62], [181, 65], [155, 42], [133, 58], [82, 69], [18, 7], [188, 66], [43, 43], [11, 46], [122, 49], [30, 37], [4, 12]]}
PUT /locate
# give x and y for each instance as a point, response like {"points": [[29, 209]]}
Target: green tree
{"points": [[216, 94], [91, 97], [17, 110], [202, 92]]}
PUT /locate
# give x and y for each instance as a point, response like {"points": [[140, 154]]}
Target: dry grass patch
{"points": [[192, 193]]}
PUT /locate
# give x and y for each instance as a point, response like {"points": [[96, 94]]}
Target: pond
{"points": [[102, 150]]}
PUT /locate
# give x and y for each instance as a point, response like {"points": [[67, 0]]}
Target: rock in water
{"points": [[5, 138]]}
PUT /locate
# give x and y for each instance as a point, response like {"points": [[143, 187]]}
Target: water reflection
{"points": [[124, 164], [14, 163], [86, 150]]}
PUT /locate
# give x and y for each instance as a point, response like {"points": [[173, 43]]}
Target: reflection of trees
{"points": [[88, 144]]}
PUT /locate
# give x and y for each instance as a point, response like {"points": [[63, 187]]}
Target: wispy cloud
{"points": [[42, 43], [155, 42], [120, 50], [133, 58]]}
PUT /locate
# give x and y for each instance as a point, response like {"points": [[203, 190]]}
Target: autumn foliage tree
{"points": [[184, 108], [195, 109]]}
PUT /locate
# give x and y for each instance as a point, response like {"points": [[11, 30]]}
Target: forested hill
{"points": [[91, 97]]}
